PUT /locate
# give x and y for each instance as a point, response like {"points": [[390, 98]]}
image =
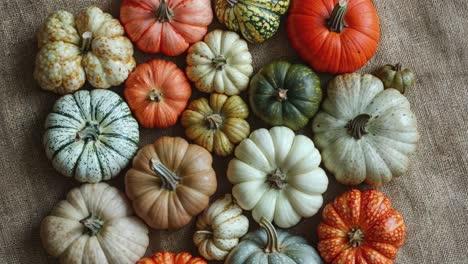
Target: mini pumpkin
{"points": [[271, 246], [171, 258], [276, 174], [91, 46], [365, 133], [219, 228], [220, 63], [218, 124], [95, 224], [90, 136], [157, 92], [170, 182], [285, 94], [256, 20], [362, 228], [393, 76], [166, 26]]}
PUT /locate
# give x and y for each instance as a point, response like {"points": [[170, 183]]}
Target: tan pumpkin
{"points": [[218, 124], [170, 182]]}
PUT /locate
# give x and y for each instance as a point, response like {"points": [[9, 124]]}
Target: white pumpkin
{"points": [[276, 174], [219, 228], [95, 224], [90, 46], [365, 133], [221, 63], [91, 136]]}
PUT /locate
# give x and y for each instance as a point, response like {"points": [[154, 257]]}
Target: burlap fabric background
{"points": [[430, 36]]}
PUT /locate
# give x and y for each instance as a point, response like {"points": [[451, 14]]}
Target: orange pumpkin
{"points": [[157, 93], [166, 26], [170, 182], [360, 228], [334, 36], [171, 258]]}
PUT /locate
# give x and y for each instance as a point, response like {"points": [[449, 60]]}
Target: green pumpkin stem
{"points": [[89, 132], [155, 96], [336, 21], [169, 180], [357, 126], [398, 67], [86, 40], [277, 179], [232, 3], [355, 237], [92, 225], [164, 13], [214, 121], [272, 245], [219, 62]]}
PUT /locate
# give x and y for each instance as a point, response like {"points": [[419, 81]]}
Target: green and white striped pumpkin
{"points": [[91, 136]]}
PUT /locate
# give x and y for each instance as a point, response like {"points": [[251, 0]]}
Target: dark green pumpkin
{"points": [[286, 94]]}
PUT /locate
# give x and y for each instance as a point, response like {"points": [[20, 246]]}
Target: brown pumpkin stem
{"points": [[169, 180], [336, 21], [86, 40], [219, 62], [357, 126], [398, 67], [164, 13], [214, 121], [89, 132], [155, 96], [355, 237], [232, 3], [277, 179], [92, 224], [282, 94], [272, 245]]}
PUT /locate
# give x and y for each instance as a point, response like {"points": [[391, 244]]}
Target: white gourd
{"points": [[220, 63], [276, 174], [95, 224], [219, 228]]}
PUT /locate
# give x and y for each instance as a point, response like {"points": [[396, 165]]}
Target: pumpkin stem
{"points": [[398, 67], [92, 225], [219, 62], [89, 132], [155, 96], [214, 121], [164, 13], [272, 245], [86, 40], [277, 179], [205, 232], [282, 94], [357, 126], [232, 3], [336, 21], [169, 180], [356, 237]]}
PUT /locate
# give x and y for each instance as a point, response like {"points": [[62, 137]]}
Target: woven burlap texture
{"points": [[429, 36]]}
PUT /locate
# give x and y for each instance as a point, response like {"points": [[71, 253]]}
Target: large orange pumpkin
{"points": [[157, 93], [360, 228], [171, 258], [166, 26], [334, 36]]}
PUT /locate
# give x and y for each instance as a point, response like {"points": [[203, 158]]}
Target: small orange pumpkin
{"points": [[171, 258], [157, 93]]}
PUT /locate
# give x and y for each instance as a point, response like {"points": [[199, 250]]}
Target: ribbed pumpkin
{"points": [[171, 258], [166, 26], [90, 136], [334, 36], [157, 92], [170, 182]]}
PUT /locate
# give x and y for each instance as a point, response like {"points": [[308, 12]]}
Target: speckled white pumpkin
{"points": [[90, 46], [220, 63], [95, 224], [91, 136], [365, 133], [219, 228]]}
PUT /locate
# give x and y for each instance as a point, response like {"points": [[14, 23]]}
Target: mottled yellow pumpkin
{"points": [[217, 124]]}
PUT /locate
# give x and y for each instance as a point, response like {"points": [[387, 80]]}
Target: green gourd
{"points": [[393, 76]]}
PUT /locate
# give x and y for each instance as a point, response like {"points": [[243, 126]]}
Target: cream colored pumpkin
{"points": [[221, 63], [365, 133], [95, 224], [276, 174], [219, 228], [89, 47]]}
